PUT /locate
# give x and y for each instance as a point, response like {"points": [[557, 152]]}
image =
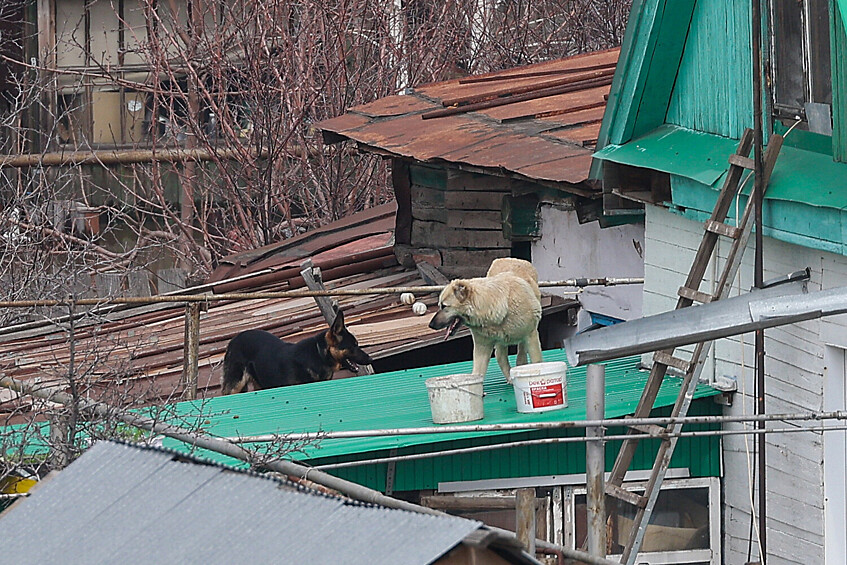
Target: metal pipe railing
{"points": [[529, 426], [570, 439], [181, 298]]}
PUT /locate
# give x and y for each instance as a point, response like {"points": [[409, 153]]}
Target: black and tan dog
{"points": [[265, 360]]}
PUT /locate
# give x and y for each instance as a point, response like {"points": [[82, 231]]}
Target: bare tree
{"points": [[139, 135]]}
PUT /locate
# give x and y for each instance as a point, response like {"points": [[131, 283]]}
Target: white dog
{"points": [[501, 309]]}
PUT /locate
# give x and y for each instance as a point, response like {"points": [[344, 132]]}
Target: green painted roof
{"points": [[801, 176], [399, 400], [672, 149]]}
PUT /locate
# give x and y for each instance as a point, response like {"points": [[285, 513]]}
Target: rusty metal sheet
{"points": [[570, 169], [376, 220], [345, 122], [393, 106], [586, 134], [545, 138], [575, 119], [519, 152], [559, 106]]}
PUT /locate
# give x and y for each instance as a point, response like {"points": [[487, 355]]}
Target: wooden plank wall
{"points": [[460, 215], [795, 370]]}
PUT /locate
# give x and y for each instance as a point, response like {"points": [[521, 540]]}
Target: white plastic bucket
{"points": [[455, 398], [540, 387]]}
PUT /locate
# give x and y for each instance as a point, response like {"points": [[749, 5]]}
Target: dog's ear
{"points": [[337, 326], [462, 291]]}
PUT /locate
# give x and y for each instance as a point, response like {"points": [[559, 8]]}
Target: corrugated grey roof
{"points": [[122, 503]]}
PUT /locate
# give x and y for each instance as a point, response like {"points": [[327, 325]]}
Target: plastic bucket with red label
{"points": [[540, 387]]}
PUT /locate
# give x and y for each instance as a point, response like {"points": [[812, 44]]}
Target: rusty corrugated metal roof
{"points": [[352, 239], [134, 356], [141, 349], [538, 122]]}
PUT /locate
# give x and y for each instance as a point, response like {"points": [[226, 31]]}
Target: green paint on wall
{"points": [[794, 222], [713, 90], [644, 78], [838, 54], [431, 177]]}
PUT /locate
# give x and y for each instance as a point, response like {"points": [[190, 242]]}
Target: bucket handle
{"points": [[463, 389]]}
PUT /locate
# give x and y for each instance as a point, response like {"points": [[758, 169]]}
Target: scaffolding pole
{"points": [[529, 426]]}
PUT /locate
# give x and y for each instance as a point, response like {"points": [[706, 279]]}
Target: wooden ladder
{"points": [[714, 227]]}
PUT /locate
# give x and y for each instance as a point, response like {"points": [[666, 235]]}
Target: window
{"points": [[800, 63], [685, 527]]}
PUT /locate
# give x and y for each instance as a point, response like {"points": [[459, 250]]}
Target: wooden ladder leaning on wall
{"points": [[714, 227]]}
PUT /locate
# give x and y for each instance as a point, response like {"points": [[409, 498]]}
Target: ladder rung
{"points": [[694, 295], [742, 161], [652, 429], [723, 229], [671, 361], [625, 495]]}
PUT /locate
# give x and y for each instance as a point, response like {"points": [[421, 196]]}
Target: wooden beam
{"points": [[130, 156], [525, 518]]}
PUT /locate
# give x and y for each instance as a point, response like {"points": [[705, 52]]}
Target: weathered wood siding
{"points": [[712, 92], [459, 214], [795, 377], [838, 48]]}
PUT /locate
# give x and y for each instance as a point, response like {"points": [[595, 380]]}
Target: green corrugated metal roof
{"points": [[805, 203], [399, 400]]}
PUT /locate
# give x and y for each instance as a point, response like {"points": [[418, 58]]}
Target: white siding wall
{"points": [[568, 249], [795, 369]]}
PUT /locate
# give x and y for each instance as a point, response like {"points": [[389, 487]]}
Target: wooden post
{"points": [[312, 276], [191, 351], [525, 519], [46, 10], [60, 452]]}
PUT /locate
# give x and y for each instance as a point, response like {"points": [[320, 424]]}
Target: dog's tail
{"points": [[232, 379]]}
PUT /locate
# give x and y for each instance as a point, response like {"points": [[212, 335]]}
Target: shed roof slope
{"points": [[136, 355], [121, 503], [538, 122], [399, 399], [356, 237]]}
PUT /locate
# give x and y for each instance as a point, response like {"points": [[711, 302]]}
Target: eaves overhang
{"points": [[805, 202]]}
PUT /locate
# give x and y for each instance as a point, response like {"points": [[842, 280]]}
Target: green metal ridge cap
{"points": [[676, 150], [399, 399]]}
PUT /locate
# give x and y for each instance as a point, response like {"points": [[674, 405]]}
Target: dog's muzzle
{"points": [[442, 320], [353, 366]]}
